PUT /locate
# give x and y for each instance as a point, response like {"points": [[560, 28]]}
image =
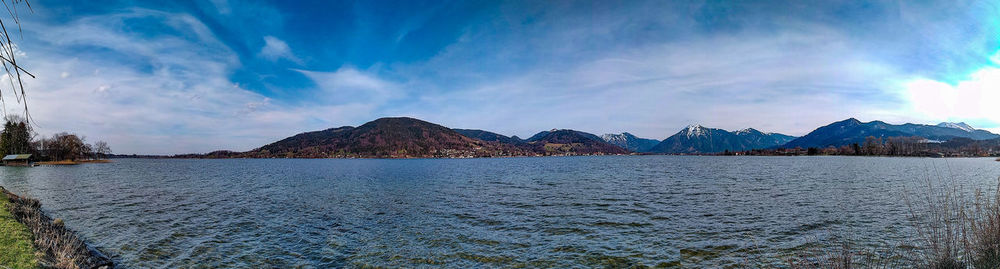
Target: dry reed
{"points": [[60, 246], [957, 232]]}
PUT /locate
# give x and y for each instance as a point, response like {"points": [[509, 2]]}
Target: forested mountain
{"points": [[630, 142], [565, 141], [385, 138], [488, 136], [412, 138], [699, 139], [850, 131]]}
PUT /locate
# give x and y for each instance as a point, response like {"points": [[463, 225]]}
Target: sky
{"points": [[169, 77]]}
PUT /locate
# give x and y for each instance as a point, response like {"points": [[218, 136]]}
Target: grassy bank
{"points": [[59, 247], [16, 249]]}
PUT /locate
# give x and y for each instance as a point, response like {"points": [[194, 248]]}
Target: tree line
{"points": [[17, 137], [878, 146], [893, 146]]}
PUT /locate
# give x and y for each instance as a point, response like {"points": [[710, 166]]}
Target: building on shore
{"points": [[17, 160]]}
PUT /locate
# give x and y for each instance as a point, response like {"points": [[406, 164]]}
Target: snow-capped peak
{"points": [[961, 126], [694, 130], [615, 137], [747, 131]]}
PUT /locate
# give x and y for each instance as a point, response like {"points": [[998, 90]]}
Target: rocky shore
{"points": [[61, 248]]}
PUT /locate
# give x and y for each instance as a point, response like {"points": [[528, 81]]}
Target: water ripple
{"points": [[666, 211]]}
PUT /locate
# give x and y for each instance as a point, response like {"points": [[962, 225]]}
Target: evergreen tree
{"points": [[15, 137]]}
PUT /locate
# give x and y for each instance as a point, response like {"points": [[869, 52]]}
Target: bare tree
{"points": [[8, 53], [102, 149], [64, 146]]}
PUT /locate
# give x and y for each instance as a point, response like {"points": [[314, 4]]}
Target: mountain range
{"points": [[699, 139], [571, 141], [850, 131], [386, 138], [489, 136], [402, 137], [630, 142]]}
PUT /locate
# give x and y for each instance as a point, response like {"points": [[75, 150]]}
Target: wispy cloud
{"points": [[222, 6], [170, 95], [275, 49], [349, 85], [626, 69]]}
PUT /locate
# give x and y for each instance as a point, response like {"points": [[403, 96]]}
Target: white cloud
{"points": [[275, 49], [973, 99], [786, 82], [222, 6], [183, 102], [639, 69], [349, 85]]}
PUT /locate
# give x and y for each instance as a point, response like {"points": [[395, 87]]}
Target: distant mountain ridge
{"points": [[542, 134], [699, 139], [630, 142], [564, 141], [489, 136], [401, 137], [850, 131], [960, 125]]}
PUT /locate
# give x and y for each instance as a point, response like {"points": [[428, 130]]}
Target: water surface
{"points": [[533, 212]]}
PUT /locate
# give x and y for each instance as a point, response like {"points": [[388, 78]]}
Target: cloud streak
{"points": [[177, 100], [275, 49]]}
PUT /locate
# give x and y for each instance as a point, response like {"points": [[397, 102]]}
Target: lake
{"points": [[505, 212]]}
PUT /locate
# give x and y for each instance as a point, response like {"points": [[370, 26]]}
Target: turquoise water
{"points": [[507, 212]]}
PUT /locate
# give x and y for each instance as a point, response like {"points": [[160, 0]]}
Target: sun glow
{"points": [[977, 98]]}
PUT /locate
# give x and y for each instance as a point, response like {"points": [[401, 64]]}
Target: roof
{"points": [[16, 157]]}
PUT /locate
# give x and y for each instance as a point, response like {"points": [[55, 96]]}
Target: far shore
{"points": [[203, 157], [72, 162]]}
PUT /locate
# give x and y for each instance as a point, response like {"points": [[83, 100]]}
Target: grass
{"points": [[16, 249], [59, 247]]}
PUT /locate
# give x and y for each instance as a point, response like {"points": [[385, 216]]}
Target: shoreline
{"points": [[71, 162], [17, 249], [529, 156], [59, 246]]}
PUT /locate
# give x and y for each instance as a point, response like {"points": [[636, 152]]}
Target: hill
{"points": [[385, 138], [571, 142], [489, 136]]}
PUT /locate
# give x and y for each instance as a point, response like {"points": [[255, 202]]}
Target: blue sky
{"points": [[166, 77]]}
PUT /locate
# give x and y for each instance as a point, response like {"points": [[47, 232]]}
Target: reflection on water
{"points": [[533, 212]]}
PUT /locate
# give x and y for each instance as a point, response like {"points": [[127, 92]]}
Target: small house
{"points": [[17, 160]]}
